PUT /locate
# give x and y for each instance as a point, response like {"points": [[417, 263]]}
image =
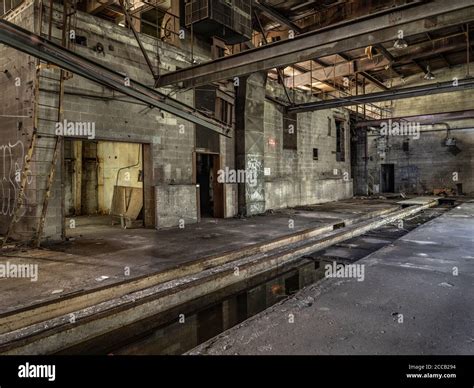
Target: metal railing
{"points": [[7, 5]]}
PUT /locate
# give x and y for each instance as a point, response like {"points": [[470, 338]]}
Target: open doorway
{"points": [[211, 196], [388, 178], [103, 185]]}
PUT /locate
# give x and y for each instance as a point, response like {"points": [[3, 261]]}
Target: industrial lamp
{"points": [[429, 75], [400, 43]]}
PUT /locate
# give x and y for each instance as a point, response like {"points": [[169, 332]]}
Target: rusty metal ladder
{"points": [[34, 147]]}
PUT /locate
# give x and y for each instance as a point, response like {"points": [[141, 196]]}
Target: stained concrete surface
{"points": [[410, 302], [100, 253]]}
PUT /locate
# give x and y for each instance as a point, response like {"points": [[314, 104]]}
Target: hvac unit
{"points": [[229, 20]]}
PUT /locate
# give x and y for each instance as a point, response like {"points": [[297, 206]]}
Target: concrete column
{"points": [[249, 142]]}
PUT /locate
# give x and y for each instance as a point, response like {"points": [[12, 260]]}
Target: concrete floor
{"points": [[410, 302], [99, 253]]}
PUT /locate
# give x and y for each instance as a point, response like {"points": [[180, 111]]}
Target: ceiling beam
{"points": [[374, 80], [392, 94], [276, 16], [388, 55], [339, 70], [419, 65], [432, 118], [413, 55], [371, 29], [32, 44]]}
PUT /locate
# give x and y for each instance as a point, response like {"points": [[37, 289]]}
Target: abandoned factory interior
{"points": [[236, 177]]}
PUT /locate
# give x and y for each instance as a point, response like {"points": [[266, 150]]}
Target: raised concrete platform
{"points": [[100, 254], [47, 328], [416, 298]]}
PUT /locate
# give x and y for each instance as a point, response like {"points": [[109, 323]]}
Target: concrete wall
{"points": [[176, 205], [428, 164]]}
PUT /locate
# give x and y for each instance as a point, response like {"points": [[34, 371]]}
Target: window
{"points": [[340, 141], [224, 109], [290, 131], [406, 145], [218, 49], [315, 154]]}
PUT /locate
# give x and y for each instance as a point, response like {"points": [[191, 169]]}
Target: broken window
{"points": [[340, 141], [290, 131]]}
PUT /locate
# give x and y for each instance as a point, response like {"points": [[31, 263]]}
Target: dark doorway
{"points": [[388, 178], [210, 190]]}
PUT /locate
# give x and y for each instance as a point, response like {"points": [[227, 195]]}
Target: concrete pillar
{"points": [[249, 142]]}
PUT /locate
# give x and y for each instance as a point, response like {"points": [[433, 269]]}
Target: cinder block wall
{"points": [[295, 178], [17, 72], [119, 118], [428, 164]]}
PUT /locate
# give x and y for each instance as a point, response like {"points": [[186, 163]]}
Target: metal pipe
{"points": [[127, 167]]}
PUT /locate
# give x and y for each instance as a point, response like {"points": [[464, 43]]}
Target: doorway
{"points": [[211, 192], [388, 178], [104, 185]]}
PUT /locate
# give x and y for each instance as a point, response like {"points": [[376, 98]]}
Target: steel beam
{"points": [[374, 80], [32, 44], [423, 118], [275, 15], [369, 30], [342, 69], [392, 94]]}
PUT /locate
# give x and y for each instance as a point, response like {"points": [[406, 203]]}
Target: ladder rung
{"points": [[53, 121], [50, 78], [48, 106]]}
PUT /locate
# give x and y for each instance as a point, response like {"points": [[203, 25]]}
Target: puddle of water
{"points": [[420, 242]]}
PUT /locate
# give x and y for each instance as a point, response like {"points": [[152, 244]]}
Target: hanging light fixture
{"points": [[400, 43], [429, 75]]}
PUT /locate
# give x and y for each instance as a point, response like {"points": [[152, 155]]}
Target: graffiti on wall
{"points": [[12, 157], [255, 192]]}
